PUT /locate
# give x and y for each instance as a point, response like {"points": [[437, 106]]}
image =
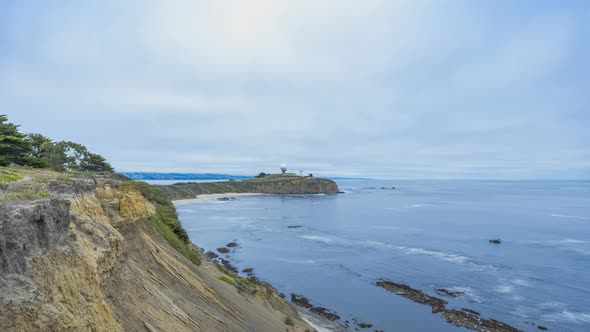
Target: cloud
{"points": [[378, 88]]}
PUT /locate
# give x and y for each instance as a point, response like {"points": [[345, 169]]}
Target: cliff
{"points": [[95, 252], [271, 184]]}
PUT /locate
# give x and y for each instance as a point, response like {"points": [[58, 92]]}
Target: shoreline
{"points": [[212, 197]]}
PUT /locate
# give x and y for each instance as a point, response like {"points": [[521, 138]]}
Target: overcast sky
{"points": [[390, 89]]}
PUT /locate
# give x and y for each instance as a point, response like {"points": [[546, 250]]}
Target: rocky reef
{"points": [[87, 252], [270, 184], [464, 317]]}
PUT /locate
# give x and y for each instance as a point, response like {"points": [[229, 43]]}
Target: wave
{"points": [[568, 316], [450, 257], [297, 261], [417, 205], [570, 241], [520, 282], [467, 292], [323, 239], [385, 227], [504, 289], [567, 216]]}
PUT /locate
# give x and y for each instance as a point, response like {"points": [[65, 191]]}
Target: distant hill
{"points": [[182, 176], [270, 184]]}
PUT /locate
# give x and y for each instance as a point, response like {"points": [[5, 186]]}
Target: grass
{"points": [[227, 279], [26, 192], [289, 321], [8, 175], [165, 220]]}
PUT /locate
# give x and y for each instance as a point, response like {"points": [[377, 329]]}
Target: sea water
{"points": [[426, 234]]}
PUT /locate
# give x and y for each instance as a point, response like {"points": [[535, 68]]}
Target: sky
{"points": [[441, 89]]}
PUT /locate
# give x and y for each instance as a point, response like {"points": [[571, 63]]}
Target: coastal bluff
{"points": [[98, 252], [279, 184]]}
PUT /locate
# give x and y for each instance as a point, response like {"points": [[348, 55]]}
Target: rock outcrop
{"points": [[79, 253]]}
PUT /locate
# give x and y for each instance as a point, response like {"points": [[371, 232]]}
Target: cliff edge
{"points": [[271, 184], [96, 252]]}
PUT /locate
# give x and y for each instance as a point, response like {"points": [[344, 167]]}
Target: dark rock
{"points": [[437, 305], [541, 327], [325, 313], [231, 245], [446, 292], [496, 241], [471, 311], [248, 270], [223, 250], [364, 325], [296, 226], [211, 255], [226, 199], [466, 318], [301, 301], [474, 322], [227, 265]]}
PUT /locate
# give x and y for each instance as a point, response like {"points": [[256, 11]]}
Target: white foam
{"points": [[455, 258], [572, 241], [385, 227], [520, 282], [468, 292], [504, 289], [568, 216], [323, 239], [297, 261], [568, 316], [417, 205], [318, 323]]}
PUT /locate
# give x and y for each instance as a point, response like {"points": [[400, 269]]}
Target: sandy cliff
{"points": [[79, 253]]}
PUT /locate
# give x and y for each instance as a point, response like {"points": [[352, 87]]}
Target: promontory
{"points": [[279, 184]]}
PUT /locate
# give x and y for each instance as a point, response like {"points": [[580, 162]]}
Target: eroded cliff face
{"points": [[80, 254]]}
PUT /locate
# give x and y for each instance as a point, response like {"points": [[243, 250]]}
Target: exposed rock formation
{"points": [[79, 253], [466, 318]]}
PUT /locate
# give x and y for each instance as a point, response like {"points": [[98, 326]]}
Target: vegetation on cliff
{"points": [[269, 184], [165, 220]]}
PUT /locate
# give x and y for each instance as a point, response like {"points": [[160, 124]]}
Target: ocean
{"points": [[426, 234]]}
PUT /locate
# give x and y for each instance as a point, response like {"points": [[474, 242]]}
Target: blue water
{"points": [[427, 234]]}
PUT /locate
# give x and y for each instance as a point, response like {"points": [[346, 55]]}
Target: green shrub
{"points": [[289, 321], [227, 279]]}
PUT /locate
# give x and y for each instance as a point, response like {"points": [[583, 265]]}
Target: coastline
{"points": [[212, 197]]}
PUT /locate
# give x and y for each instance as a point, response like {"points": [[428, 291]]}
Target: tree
{"points": [[95, 163], [36, 157], [13, 145], [70, 156], [37, 141], [39, 151], [261, 175]]}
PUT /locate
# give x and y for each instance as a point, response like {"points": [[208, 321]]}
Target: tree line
{"points": [[36, 150]]}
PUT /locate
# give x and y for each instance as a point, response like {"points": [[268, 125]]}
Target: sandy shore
{"points": [[211, 197]]}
